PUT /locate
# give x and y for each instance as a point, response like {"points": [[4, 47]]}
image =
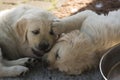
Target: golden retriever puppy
{"points": [[82, 49], [25, 31]]}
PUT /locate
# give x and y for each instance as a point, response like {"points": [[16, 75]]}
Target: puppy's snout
{"points": [[44, 46], [45, 61]]}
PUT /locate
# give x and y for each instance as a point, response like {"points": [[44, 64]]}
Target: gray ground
{"points": [[40, 73]]}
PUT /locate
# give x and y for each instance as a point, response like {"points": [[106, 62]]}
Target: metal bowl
{"points": [[110, 64]]}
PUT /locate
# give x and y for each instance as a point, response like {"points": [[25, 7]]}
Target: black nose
{"points": [[44, 46], [45, 61]]}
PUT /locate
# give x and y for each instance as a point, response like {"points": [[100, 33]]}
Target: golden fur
{"points": [[82, 49]]}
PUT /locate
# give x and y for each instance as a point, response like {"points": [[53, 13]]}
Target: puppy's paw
{"points": [[57, 26], [18, 70], [31, 62], [56, 20], [56, 23]]}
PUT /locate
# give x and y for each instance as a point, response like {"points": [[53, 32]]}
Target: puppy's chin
{"points": [[38, 53]]}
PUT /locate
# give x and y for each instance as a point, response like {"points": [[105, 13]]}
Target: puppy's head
{"points": [[70, 54], [35, 30]]}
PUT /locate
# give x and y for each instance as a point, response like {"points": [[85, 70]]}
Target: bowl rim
{"points": [[102, 58]]}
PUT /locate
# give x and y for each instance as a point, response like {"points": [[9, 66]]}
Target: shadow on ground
{"points": [[40, 73]]}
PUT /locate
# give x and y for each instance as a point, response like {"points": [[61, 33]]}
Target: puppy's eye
{"points": [[57, 55], [52, 32], [36, 32]]}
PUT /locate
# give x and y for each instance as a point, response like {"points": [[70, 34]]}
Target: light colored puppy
{"points": [[25, 31], [82, 49]]}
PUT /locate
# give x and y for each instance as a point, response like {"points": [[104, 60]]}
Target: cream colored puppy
{"points": [[25, 31], [82, 49]]}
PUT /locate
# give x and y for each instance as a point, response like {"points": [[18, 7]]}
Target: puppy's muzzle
{"points": [[41, 49], [44, 46]]}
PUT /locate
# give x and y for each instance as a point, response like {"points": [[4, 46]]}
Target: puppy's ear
{"points": [[21, 29]]}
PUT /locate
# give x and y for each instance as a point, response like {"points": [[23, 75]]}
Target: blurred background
{"points": [[62, 8]]}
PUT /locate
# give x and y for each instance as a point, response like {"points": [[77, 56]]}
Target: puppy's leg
{"points": [[22, 61], [12, 71], [70, 23], [15, 62]]}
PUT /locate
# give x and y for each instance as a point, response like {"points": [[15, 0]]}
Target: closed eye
{"points": [[35, 32], [57, 55]]}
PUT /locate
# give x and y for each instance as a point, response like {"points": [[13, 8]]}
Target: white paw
{"points": [[22, 61], [30, 62], [27, 61], [56, 20], [18, 70], [56, 23]]}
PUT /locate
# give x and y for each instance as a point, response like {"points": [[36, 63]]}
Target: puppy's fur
{"points": [[22, 31], [82, 49]]}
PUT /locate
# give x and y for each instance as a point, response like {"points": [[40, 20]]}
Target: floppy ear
{"points": [[21, 29]]}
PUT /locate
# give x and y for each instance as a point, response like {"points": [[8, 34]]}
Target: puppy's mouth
{"points": [[38, 52]]}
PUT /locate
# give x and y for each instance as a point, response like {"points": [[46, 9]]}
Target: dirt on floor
{"points": [[65, 8], [6, 4], [70, 7]]}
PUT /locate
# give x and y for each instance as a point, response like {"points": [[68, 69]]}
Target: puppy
{"points": [[82, 49], [25, 31]]}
